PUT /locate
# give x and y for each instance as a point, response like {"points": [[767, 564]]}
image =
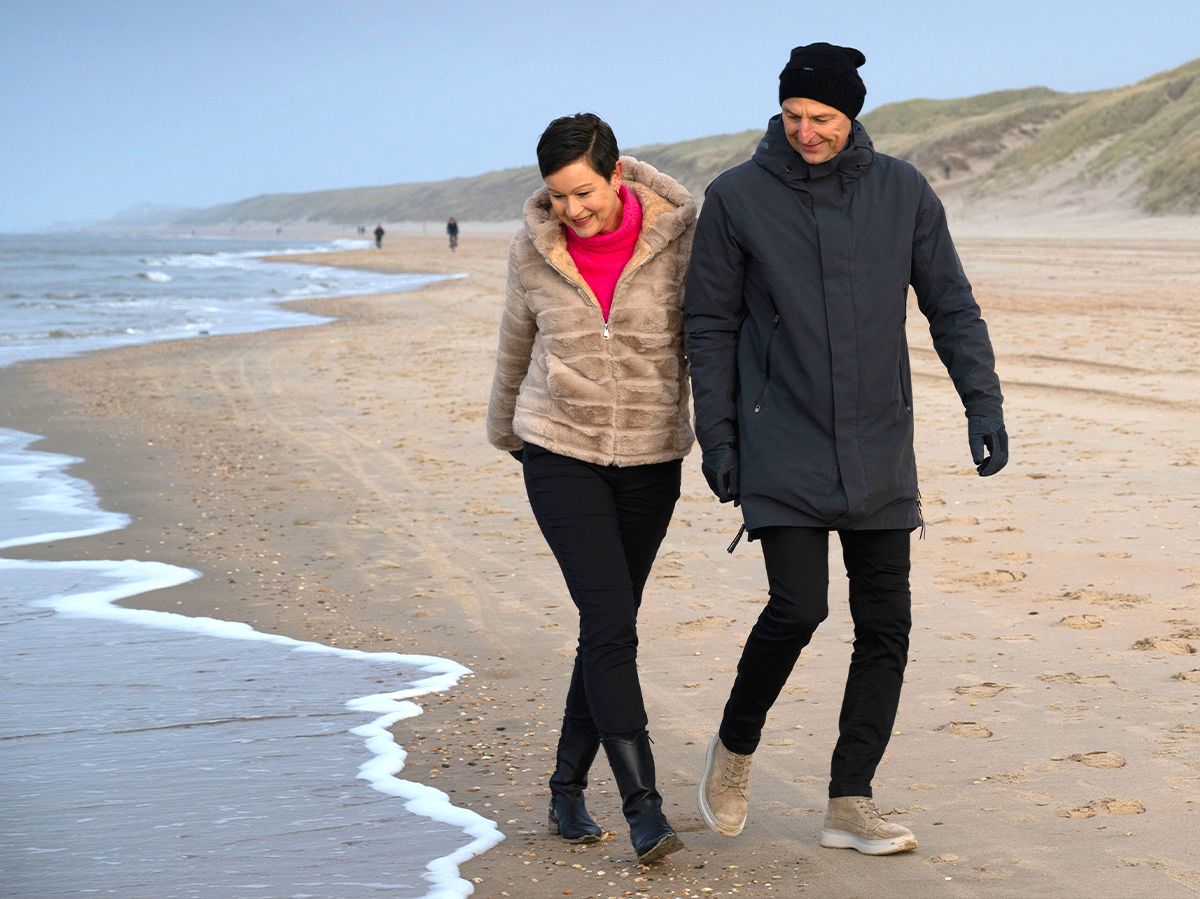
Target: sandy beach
{"points": [[333, 483]]}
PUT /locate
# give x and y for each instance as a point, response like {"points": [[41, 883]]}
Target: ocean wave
{"points": [[155, 276]]}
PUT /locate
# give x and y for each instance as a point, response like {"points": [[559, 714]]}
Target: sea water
{"points": [[64, 294], [151, 754]]}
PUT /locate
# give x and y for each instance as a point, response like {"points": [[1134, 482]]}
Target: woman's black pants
{"points": [[604, 525], [797, 561]]}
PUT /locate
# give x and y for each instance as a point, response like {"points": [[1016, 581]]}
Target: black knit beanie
{"points": [[825, 73]]}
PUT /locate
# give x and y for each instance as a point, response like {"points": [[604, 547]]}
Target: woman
{"points": [[591, 396]]}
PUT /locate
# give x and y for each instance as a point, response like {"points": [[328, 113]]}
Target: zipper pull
{"points": [[606, 332]]}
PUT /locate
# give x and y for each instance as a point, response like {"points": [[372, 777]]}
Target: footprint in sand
{"points": [[1116, 554], [1001, 577], [1099, 759], [967, 521], [1015, 556], [1099, 597], [1192, 677], [1164, 644], [1070, 677], [986, 689], [698, 626], [970, 729], [1108, 806], [1192, 632], [1083, 622]]}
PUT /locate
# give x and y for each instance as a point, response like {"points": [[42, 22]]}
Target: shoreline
{"points": [[348, 459]]}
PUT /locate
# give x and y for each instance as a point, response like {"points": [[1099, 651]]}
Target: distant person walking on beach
{"points": [[796, 303], [452, 231], [591, 396], [379, 232]]}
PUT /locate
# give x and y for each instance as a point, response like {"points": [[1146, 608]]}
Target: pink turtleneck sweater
{"points": [[602, 257]]}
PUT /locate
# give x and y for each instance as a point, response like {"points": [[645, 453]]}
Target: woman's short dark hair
{"points": [[572, 136]]}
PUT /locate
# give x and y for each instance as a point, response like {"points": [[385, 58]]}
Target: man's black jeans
{"points": [[604, 525], [877, 563]]}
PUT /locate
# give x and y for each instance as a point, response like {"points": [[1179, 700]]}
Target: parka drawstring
{"points": [[737, 537]]}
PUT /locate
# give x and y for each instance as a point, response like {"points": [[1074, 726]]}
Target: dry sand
{"points": [[333, 483]]}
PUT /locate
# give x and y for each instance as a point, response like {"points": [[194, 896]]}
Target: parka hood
{"points": [[780, 158]]}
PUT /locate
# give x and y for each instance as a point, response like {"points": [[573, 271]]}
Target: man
{"points": [[796, 302], [379, 232]]}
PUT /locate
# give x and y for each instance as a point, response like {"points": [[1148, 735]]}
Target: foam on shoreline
{"points": [[49, 505]]}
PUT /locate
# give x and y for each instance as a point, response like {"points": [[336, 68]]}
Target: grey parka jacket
{"points": [[795, 311]]}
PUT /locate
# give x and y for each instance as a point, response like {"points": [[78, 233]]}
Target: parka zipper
{"points": [[606, 331], [767, 365]]}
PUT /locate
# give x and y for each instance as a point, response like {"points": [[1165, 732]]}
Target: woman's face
{"points": [[584, 200]]}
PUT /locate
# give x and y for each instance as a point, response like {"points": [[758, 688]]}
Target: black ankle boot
{"points": [[633, 767], [568, 816]]}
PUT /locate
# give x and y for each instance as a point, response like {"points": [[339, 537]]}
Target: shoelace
{"points": [[736, 774], [867, 807]]}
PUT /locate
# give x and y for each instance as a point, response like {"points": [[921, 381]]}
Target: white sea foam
{"points": [[90, 589], [41, 502], [160, 277]]}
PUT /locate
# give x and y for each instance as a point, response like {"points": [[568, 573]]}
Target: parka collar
{"points": [[778, 157]]}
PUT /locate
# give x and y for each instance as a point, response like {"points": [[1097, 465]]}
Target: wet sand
{"points": [[333, 483]]}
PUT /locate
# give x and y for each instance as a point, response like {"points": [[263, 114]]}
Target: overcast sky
{"points": [[109, 103]]}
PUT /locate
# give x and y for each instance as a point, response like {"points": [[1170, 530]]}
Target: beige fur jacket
{"points": [[614, 394]]}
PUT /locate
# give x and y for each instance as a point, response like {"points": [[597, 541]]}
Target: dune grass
{"points": [[1147, 133]]}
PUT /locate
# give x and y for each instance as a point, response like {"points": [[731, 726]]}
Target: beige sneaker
{"points": [[853, 822], [725, 789]]}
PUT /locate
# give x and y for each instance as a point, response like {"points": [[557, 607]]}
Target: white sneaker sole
{"points": [[710, 819], [840, 839]]}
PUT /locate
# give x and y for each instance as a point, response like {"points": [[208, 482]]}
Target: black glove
{"points": [[987, 432], [519, 455], [720, 468]]}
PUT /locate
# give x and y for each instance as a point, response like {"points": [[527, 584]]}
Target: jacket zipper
{"points": [[606, 331], [767, 365], [904, 397]]}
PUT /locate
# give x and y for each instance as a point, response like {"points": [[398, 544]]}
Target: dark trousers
{"points": [[877, 563], [604, 525]]}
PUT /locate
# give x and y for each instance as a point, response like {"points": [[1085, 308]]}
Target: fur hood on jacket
{"points": [[612, 393]]}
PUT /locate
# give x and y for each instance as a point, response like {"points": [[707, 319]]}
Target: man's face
{"points": [[816, 131]]}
